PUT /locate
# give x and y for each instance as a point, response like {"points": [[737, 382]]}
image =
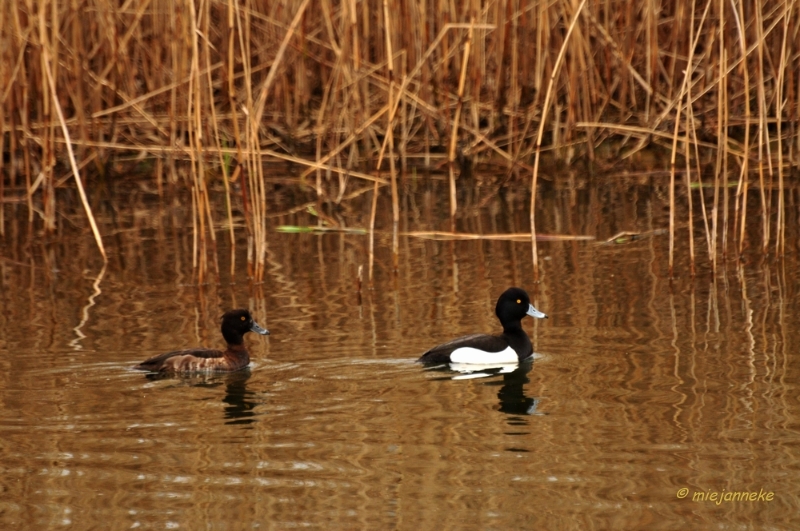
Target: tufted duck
{"points": [[512, 346], [235, 324]]}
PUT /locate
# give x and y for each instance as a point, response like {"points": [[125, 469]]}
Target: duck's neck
{"points": [[513, 327], [518, 339], [237, 352], [233, 338], [233, 347]]}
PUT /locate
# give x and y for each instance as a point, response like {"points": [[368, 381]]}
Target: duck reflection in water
{"points": [[240, 402], [511, 394]]}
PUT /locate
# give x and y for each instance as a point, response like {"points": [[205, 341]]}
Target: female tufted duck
{"points": [[512, 346], [235, 324]]}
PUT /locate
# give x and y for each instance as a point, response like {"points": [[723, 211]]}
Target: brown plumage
{"points": [[235, 324]]}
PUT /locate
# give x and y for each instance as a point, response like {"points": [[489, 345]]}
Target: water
{"points": [[641, 386]]}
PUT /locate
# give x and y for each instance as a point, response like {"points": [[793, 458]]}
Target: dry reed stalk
{"points": [[651, 54], [2, 150], [206, 54], [690, 132], [672, 190], [688, 158], [194, 118], [353, 137], [78, 184], [262, 97], [243, 32], [685, 92], [79, 101], [457, 119], [479, 70], [321, 119], [419, 68], [545, 110], [25, 126], [723, 120], [587, 86], [195, 233], [741, 191], [390, 137], [257, 185], [331, 87], [4, 74], [169, 87], [371, 252], [314, 165], [514, 237], [794, 118], [691, 121], [514, 83], [45, 178], [231, 19], [720, 133], [646, 84], [763, 133], [780, 229], [22, 35], [638, 131], [408, 112], [501, 53], [178, 70], [121, 43], [353, 20], [159, 150]]}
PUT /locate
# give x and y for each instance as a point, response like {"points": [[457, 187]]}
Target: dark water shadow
{"points": [[240, 402], [512, 397], [510, 378]]}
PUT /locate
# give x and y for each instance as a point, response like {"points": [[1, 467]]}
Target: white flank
{"points": [[471, 371], [472, 376], [474, 355]]}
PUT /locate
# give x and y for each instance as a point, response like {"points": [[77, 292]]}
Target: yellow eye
{"points": [[519, 301], [243, 318]]}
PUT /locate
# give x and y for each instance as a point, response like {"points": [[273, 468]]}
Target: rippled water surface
{"points": [[641, 386]]}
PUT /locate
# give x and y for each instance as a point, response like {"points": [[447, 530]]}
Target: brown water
{"points": [[641, 386]]}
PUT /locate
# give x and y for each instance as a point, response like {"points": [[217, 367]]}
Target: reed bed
{"points": [[358, 92]]}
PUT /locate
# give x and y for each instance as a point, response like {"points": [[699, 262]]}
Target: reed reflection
{"points": [[96, 291]]}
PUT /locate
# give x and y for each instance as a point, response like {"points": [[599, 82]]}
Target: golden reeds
{"points": [[213, 89], [542, 120]]}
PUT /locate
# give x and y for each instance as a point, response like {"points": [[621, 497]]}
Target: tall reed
{"points": [[213, 89]]}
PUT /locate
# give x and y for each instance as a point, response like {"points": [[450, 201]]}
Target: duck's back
{"points": [[199, 359]]}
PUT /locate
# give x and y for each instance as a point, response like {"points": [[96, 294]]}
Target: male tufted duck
{"points": [[512, 346], [235, 324]]}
